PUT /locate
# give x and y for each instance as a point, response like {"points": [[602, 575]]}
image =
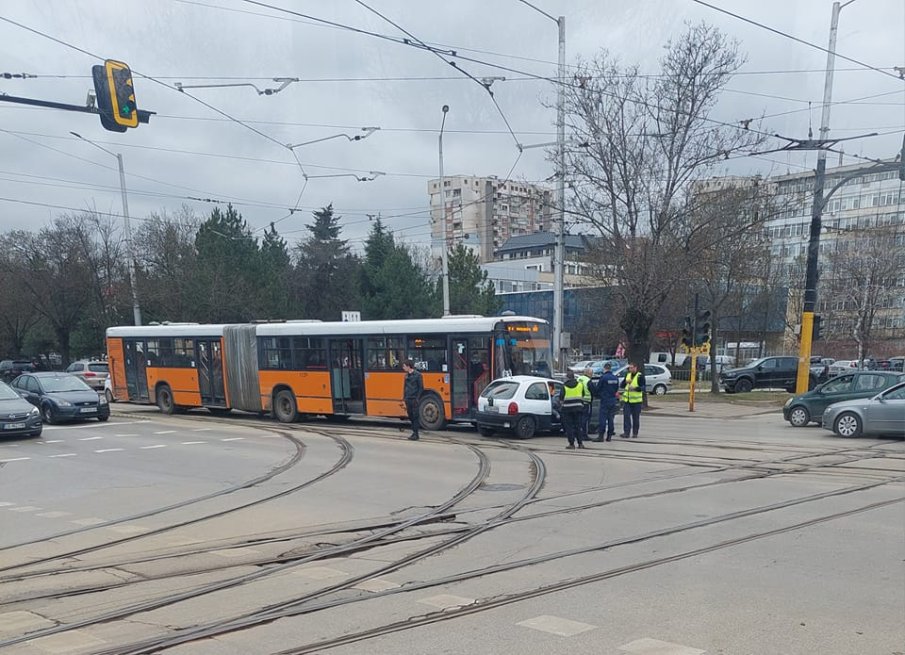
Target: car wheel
{"points": [[485, 432], [525, 427], [743, 385], [165, 399], [284, 407], [47, 415], [660, 390], [103, 419], [430, 413], [847, 425], [109, 395], [799, 417]]}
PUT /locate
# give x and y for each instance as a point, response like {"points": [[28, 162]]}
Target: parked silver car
{"points": [[882, 414], [93, 373]]}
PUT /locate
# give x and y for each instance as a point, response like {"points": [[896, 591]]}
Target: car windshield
{"points": [[525, 349], [501, 389], [757, 362], [57, 384], [7, 393]]}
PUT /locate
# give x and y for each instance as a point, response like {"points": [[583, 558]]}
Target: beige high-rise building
{"points": [[484, 212]]}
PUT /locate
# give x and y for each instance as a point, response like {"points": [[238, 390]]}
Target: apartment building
{"points": [[484, 212]]}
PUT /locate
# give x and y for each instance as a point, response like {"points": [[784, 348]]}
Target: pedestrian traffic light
{"points": [[686, 334], [115, 95], [816, 333], [702, 328]]}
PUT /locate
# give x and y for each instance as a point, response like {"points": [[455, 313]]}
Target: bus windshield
{"points": [[525, 349]]}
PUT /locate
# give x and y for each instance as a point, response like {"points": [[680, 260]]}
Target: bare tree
{"points": [[864, 270], [648, 139]]}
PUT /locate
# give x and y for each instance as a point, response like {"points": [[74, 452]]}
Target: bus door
{"points": [[136, 375], [209, 355], [460, 374], [347, 380]]}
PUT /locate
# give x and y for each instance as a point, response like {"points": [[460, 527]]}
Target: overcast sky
{"points": [[352, 80]]}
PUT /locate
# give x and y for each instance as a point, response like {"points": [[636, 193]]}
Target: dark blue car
{"points": [[62, 397]]}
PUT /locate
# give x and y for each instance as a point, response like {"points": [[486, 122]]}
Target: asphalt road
{"points": [[197, 535]]}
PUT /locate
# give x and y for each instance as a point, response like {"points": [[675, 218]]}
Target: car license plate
{"points": [[14, 426], [88, 410]]}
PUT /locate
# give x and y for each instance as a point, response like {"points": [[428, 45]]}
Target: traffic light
{"points": [[816, 333], [702, 328], [686, 334], [115, 95]]}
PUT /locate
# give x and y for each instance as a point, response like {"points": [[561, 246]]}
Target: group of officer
{"points": [[578, 395]]}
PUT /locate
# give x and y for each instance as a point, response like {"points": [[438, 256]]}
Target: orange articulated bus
{"points": [[307, 368]]}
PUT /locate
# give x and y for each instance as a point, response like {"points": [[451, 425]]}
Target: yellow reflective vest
{"points": [[633, 392], [585, 382]]}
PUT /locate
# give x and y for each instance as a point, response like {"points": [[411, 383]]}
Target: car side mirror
{"points": [[760, 367]]}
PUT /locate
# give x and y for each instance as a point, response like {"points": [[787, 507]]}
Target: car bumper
{"points": [[95, 383], [75, 413], [508, 421], [16, 427]]}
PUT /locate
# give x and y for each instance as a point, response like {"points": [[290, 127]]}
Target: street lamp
{"points": [[444, 254], [133, 283]]}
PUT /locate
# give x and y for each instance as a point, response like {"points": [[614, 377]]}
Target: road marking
{"points": [[556, 625], [233, 439], [192, 443], [446, 601], [160, 445], [270, 436], [92, 521], [320, 573], [165, 432], [127, 529], [63, 455], [53, 441], [124, 434], [108, 450], [648, 646], [7, 504], [67, 642], [376, 585], [14, 459], [201, 430], [54, 515], [101, 424], [89, 438], [235, 552], [24, 508]]}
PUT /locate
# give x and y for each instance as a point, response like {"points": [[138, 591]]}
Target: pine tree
{"points": [[276, 269], [470, 292]]}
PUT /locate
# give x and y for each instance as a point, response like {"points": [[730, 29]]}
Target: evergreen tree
{"points": [[401, 289], [326, 273], [276, 269], [470, 292]]}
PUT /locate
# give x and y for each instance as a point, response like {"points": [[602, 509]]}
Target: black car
{"points": [[764, 373], [17, 417], [13, 368], [62, 397]]}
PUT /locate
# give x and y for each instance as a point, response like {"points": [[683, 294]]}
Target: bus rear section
{"points": [[170, 366]]}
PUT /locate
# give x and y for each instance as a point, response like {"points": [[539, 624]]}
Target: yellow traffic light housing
{"points": [[115, 95]]}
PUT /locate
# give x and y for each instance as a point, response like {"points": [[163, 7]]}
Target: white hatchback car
{"points": [[522, 404], [657, 378]]}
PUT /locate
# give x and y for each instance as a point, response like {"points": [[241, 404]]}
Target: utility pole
{"points": [[559, 258], [811, 274], [444, 252]]}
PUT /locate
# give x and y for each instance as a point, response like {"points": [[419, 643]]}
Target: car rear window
{"points": [[504, 389], [99, 367]]}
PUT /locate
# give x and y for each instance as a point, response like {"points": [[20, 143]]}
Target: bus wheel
{"points": [[284, 408], [430, 413], [165, 399]]}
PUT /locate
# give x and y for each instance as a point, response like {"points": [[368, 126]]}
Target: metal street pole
{"points": [[130, 252], [811, 273], [559, 253], [444, 252]]}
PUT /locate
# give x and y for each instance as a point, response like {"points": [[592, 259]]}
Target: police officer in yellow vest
{"points": [[573, 410], [632, 397], [586, 381]]}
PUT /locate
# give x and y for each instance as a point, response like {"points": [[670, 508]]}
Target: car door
{"points": [[786, 372], [537, 401], [837, 389], [765, 374], [886, 413]]}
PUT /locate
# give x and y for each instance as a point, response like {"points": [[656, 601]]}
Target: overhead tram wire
{"points": [[796, 39]]}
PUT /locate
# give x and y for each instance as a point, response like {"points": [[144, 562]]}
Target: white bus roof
{"points": [[183, 330], [461, 324], [428, 325]]}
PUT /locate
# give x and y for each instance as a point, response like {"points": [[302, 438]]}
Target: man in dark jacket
{"points": [[411, 394], [607, 387]]}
